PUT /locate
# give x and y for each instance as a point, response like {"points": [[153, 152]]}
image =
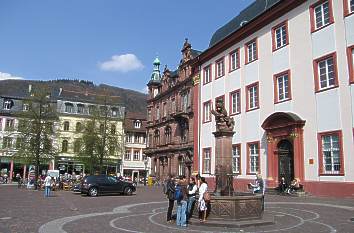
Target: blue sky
{"points": [[105, 41]]}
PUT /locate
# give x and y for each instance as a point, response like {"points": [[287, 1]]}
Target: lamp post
{"points": [[145, 163]]}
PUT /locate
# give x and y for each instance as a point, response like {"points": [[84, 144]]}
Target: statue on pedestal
{"points": [[224, 123]]}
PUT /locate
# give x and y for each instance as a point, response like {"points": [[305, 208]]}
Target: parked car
{"points": [[76, 188], [102, 184]]}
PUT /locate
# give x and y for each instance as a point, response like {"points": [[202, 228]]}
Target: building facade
{"points": [[135, 164], [284, 70], [170, 123]]}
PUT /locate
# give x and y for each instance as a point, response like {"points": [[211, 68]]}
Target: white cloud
{"points": [[4, 76], [122, 63]]}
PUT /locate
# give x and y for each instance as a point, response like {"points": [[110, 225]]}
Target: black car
{"points": [[102, 184]]}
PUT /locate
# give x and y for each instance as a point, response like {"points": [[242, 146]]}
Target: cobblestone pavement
{"points": [[65, 212]]}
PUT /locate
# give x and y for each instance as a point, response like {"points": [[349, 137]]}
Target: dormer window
{"points": [[137, 124], [8, 104], [114, 112], [69, 107], [80, 109], [25, 107]]}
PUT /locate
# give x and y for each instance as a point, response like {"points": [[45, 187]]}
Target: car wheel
{"points": [[93, 192], [128, 191]]}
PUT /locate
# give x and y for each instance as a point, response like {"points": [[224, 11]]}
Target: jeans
{"points": [[181, 213], [190, 204], [47, 191]]}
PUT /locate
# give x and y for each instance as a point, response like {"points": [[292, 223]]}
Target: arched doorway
{"points": [[285, 161]]}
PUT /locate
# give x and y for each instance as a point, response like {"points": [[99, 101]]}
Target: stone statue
{"points": [[224, 123]]}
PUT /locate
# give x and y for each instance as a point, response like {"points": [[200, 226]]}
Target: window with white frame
{"points": [[8, 104], [7, 142], [322, 15], [235, 102], [326, 73], [136, 155], [235, 60], [206, 160], [206, 111], [280, 36], [207, 75], [69, 107], [181, 166], [137, 124], [331, 153], [251, 51], [80, 109], [9, 124], [253, 151], [282, 87], [236, 159], [252, 93], [25, 107], [220, 68], [128, 138], [127, 155]]}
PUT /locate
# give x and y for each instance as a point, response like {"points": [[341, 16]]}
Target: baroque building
{"points": [[284, 71], [170, 123]]}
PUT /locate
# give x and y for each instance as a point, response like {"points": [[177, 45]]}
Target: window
{"points": [[325, 71], [128, 138], [236, 158], [282, 87], [9, 124], [164, 109], [348, 7], [321, 14], [77, 146], [102, 128], [330, 153], [137, 124], [104, 111], [157, 137], [235, 102], [157, 112], [251, 51], [136, 138], [181, 166], [114, 112], [206, 111], [168, 133], [173, 105], [253, 157], [66, 126], [234, 60], [185, 101], [280, 36], [69, 108], [92, 109], [149, 115], [80, 109], [206, 160], [113, 129], [207, 74], [25, 107], [7, 142], [350, 54], [136, 155], [78, 127], [219, 68], [64, 146], [184, 131], [252, 96], [127, 155], [8, 104]]}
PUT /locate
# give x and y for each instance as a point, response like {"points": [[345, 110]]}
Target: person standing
{"points": [[192, 190], [202, 205], [47, 185], [170, 194], [181, 196]]}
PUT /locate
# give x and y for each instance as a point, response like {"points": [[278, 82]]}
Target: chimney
{"points": [[29, 88]]}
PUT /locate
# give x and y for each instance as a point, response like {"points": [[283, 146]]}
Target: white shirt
{"points": [[194, 189], [202, 189], [48, 181]]}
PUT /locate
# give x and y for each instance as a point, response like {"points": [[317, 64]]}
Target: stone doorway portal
{"points": [[286, 161]]}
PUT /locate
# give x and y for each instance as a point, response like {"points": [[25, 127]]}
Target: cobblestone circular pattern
{"points": [[289, 217]]}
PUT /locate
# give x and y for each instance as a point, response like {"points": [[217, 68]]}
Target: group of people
{"points": [[184, 193], [291, 188]]}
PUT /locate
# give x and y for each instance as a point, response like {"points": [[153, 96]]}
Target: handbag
{"points": [[206, 196]]}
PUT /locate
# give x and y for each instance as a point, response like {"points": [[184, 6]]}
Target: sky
{"points": [[104, 41]]}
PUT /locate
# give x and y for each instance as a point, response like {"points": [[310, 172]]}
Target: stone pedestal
{"points": [[223, 163]]}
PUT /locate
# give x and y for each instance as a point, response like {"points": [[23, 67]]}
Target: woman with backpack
{"points": [[202, 203]]}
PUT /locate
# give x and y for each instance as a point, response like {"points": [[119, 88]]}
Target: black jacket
{"points": [[170, 190]]}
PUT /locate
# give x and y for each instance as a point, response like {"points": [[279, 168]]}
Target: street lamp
{"points": [[145, 163]]}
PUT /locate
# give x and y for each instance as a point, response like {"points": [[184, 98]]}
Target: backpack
{"points": [[178, 193]]}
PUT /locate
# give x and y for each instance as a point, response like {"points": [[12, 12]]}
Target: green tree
{"points": [[36, 134]]}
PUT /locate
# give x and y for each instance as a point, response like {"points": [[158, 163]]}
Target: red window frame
{"points": [[350, 64], [275, 80], [210, 105], [238, 104], [246, 50], [210, 76], [236, 51], [274, 41], [220, 60], [239, 148], [247, 96], [203, 168], [321, 172], [316, 74], [346, 9], [312, 15], [249, 158]]}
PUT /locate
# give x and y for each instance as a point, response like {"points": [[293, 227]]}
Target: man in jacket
{"points": [[170, 194]]}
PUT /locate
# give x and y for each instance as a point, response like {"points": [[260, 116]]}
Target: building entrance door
{"points": [[286, 161]]}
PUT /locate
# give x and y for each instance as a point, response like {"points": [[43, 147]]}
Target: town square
{"points": [[177, 116]]}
